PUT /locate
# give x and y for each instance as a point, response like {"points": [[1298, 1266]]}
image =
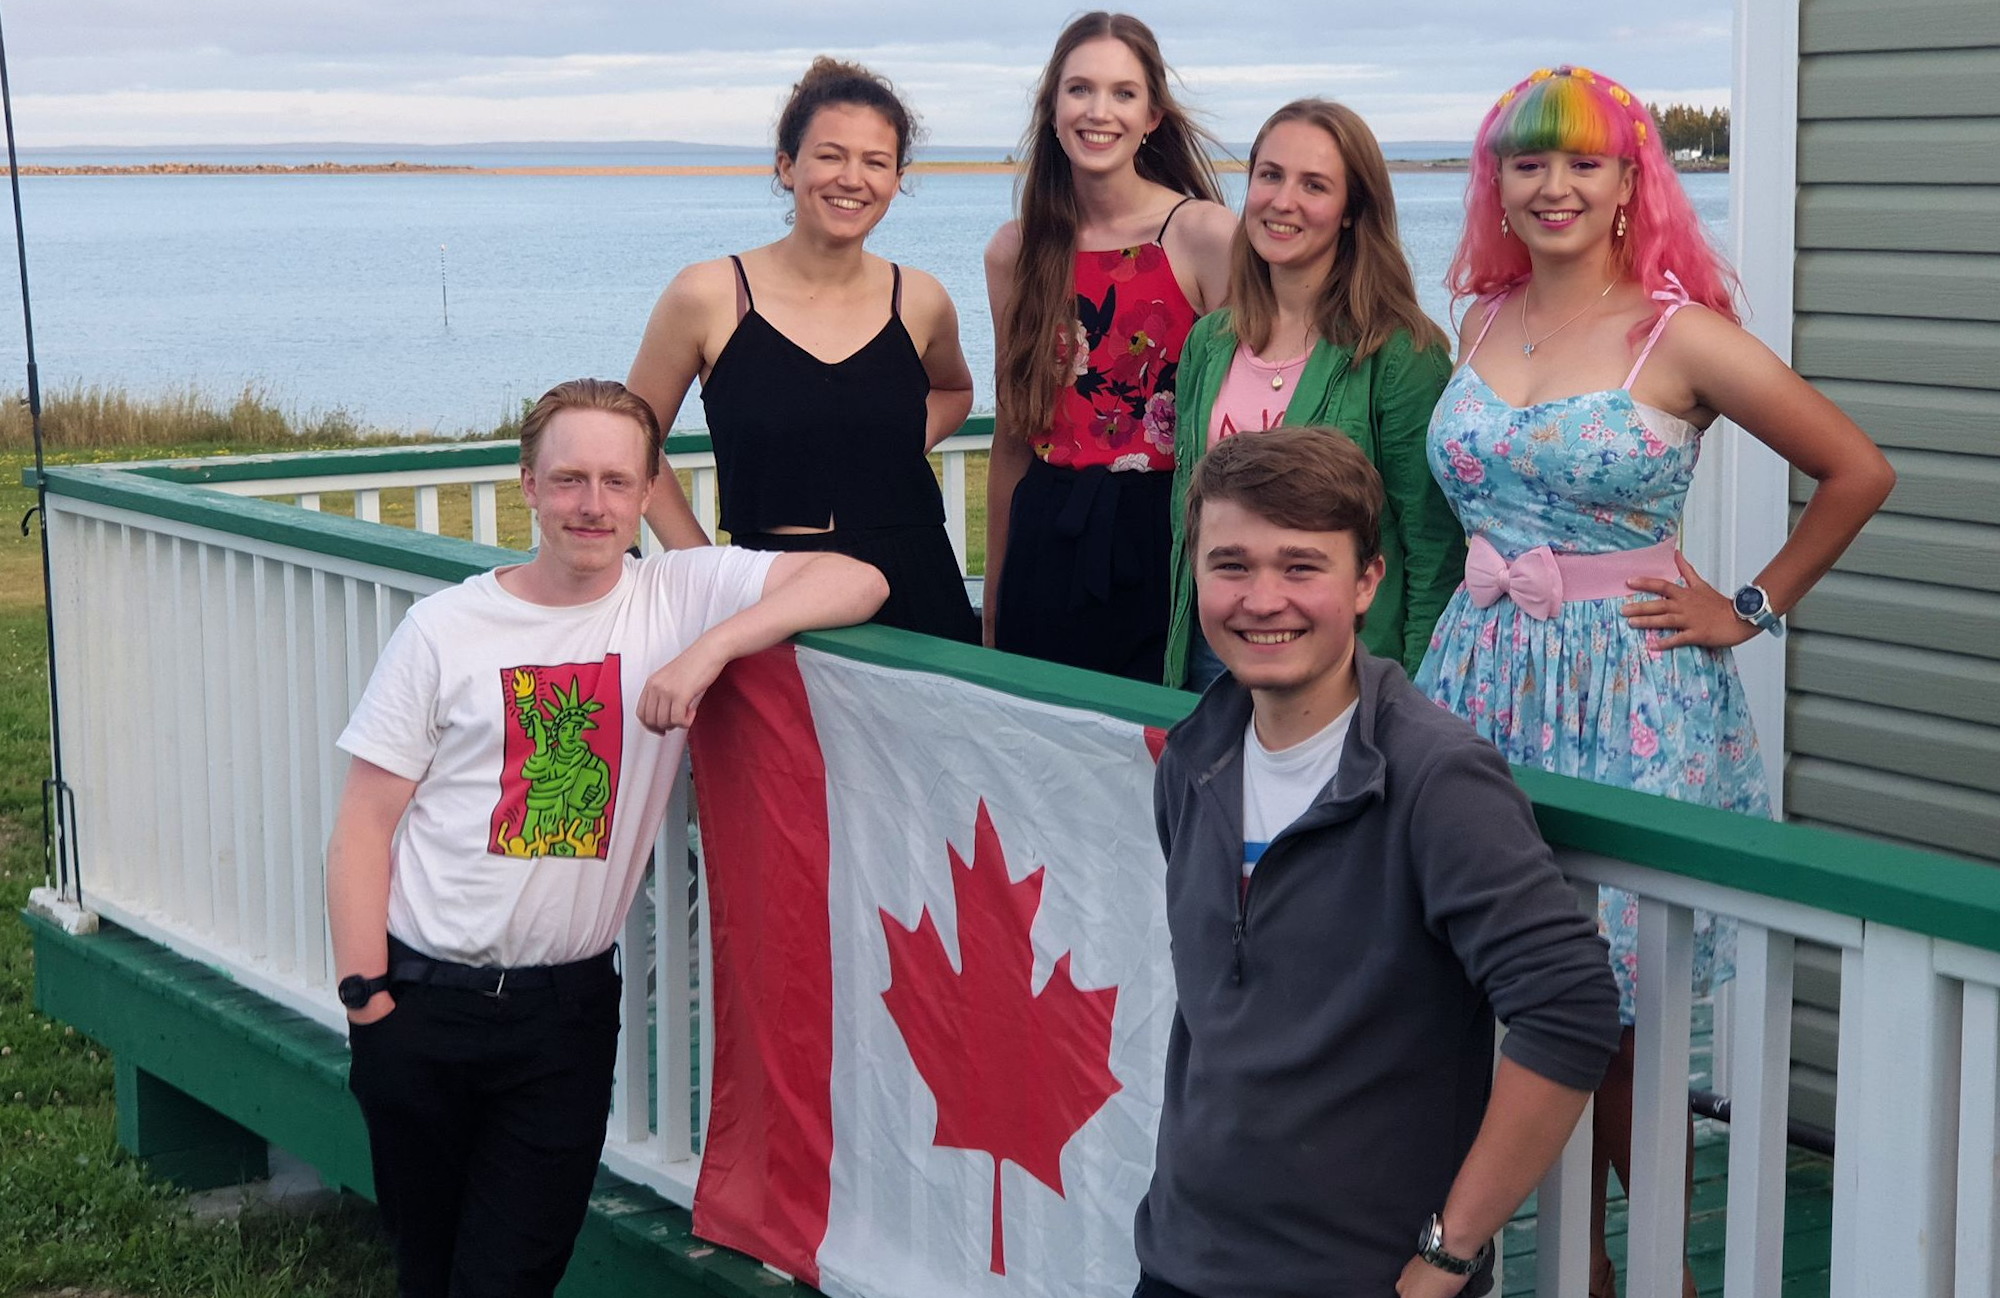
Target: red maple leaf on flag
{"points": [[1015, 1072]]}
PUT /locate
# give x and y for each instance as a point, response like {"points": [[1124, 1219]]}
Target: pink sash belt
{"points": [[1541, 581]]}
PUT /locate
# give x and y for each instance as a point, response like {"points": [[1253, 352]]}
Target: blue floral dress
{"points": [[1583, 692]]}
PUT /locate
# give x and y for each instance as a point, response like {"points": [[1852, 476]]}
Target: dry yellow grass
{"points": [[80, 417]]}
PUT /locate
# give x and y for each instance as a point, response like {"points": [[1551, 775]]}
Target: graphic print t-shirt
{"points": [[538, 794], [1279, 786]]}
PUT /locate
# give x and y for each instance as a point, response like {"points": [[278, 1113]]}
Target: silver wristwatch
{"points": [[1430, 1247], [1754, 606]]}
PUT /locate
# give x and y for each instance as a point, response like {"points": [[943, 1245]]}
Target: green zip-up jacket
{"points": [[1384, 403]]}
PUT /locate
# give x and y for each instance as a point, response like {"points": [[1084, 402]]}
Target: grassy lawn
{"points": [[76, 1215]]}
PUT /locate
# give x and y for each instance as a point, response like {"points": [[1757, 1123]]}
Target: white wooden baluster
{"points": [[485, 514], [309, 500], [1656, 1223], [1974, 1268], [1844, 1262], [427, 510], [1562, 1220], [1562, 1202], [630, 1112], [954, 503], [1902, 1084], [368, 505], [706, 507], [673, 963], [1761, 1081]]}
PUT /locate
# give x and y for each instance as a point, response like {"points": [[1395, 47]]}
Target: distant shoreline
{"points": [[1444, 165]]}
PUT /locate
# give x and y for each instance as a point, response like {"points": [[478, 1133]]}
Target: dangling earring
{"points": [[1621, 223], [1504, 229], [1143, 137]]}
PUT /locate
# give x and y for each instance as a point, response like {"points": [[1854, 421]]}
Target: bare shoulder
{"points": [[1474, 324], [1004, 248], [924, 298], [700, 284], [1697, 340], [1206, 222]]}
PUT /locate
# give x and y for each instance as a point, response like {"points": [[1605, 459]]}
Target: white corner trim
{"points": [[1736, 518]]}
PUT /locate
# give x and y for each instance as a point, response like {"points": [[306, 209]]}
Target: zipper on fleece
{"points": [[1243, 885]]}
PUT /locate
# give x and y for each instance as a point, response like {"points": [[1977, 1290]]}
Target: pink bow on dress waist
{"points": [[1533, 580]]}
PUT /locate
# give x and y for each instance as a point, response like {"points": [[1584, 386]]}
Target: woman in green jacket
{"points": [[1323, 329]]}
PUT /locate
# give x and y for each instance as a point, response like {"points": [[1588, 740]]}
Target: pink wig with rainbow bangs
{"points": [[1574, 110]]}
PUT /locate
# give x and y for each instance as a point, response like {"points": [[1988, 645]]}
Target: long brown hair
{"points": [[1369, 294], [1034, 335]]}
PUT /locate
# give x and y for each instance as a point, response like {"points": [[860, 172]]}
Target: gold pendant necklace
{"points": [[1529, 343]]}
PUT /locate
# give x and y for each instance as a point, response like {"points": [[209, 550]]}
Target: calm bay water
{"points": [[325, 290]]}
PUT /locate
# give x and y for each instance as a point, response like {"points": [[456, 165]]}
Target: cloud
{"points": [[131, 72]]}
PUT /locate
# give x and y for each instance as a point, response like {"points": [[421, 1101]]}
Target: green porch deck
{"points": [[257, 1072]]}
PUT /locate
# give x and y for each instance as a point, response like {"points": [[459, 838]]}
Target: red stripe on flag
{"points": [[1156, 742], [760, 784]]}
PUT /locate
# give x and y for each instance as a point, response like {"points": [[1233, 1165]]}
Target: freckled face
{"points": [[1102, 108]]}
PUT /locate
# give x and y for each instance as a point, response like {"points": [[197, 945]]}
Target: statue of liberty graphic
{"points": [[569, 787]]}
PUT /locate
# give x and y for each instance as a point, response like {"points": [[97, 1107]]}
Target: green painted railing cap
{"points": [[1908, 888], [363, 460], [445, 557]]}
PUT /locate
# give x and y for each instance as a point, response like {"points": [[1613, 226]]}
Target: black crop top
{"points": [[800, 442]]}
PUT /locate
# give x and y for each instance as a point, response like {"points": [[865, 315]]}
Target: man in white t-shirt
{"points": [[1355, 891], [512, 757]]}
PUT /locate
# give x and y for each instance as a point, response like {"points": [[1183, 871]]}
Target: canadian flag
{"points": [[941, 984]]}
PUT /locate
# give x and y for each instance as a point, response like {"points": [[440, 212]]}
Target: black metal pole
{"points": [[59, 854]]}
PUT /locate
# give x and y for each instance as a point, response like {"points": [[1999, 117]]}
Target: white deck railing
{"points": [[488, 467], [210, 650]]}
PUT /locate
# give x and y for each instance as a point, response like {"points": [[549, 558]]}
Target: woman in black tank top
{"points": [[827, 374]]}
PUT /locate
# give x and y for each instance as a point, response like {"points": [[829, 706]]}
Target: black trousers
{"points": [[485, 1121], [1085, 578]]}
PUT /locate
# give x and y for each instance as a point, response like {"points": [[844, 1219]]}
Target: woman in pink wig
{"points": [[1600, 343]]}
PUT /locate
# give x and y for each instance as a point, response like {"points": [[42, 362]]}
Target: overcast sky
{"points": [[200, 72]]}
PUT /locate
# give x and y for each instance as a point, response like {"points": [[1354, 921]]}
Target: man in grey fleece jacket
{"points": [[1330, 1089]]}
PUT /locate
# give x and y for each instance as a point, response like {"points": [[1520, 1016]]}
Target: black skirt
{"points": [[1085, 578], [926, 590]]}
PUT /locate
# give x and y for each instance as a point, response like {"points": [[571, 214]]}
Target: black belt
{"points": [[409, 965]]}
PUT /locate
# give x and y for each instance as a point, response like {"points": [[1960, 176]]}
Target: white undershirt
{"points": [[1279, 786]]}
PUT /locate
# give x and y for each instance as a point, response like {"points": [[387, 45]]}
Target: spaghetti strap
{"points": [[1492, 314], [1161, 236], [896, 294], [1675, 297], [745, 304]]}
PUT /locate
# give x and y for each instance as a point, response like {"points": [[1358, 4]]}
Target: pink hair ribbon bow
{"points": [[1533, 580]]}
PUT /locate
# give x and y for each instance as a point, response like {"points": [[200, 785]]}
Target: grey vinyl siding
{"points": [[1893, 667]]}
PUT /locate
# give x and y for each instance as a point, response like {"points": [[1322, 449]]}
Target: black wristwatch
{"points": [[1430, 1247], [1754, 606], [356, 991]]}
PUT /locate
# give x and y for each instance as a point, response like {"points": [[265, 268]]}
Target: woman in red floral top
{"points": [[1121, 242]]}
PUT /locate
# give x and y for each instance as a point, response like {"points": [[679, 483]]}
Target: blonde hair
{"points": [[590, 394]]}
